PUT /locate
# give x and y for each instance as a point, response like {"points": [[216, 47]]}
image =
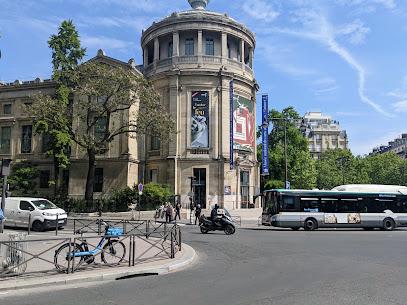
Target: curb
{"points": [[189, 255]]}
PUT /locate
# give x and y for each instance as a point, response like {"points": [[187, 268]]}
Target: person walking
{"points": [[177, 211], [168, 213], [198, 211]]}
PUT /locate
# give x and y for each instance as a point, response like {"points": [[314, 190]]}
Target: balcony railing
{"points": [[212, 59], [188, 59]]}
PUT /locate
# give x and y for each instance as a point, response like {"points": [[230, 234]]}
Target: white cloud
{"points": [[400, 106], [316, 27], [369, 5], [324, 86], [137, 24], [356, 31], [261, 10], [400, 93], [102, 42], [282, 59]]}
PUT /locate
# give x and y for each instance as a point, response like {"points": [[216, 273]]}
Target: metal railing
{"points": [[38, 256]]}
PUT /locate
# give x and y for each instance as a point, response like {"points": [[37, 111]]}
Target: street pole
{"points": [[3, 200], [285, 153]]}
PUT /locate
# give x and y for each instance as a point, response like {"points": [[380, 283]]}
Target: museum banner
{"points": [[244, 125], [200, 119], [265, 135]]}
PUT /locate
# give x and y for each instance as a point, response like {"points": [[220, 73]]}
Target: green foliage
{"points": [[66, 51], [23, 178], [118, 201], [301, 167]]}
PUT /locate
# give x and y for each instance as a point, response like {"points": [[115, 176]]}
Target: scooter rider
{"points": [[214, 214]]}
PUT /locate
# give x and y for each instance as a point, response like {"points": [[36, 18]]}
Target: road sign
{"points": [[140, 188], [287, 185]]}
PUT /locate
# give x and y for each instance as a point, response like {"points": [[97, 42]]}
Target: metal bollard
{"points": [[57, 225], [147, 227], [29, 223]]}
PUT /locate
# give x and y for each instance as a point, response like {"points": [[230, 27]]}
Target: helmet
{"points": [[216, 206]]}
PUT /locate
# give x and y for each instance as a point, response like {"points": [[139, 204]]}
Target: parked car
{"points": [[44, 213]]}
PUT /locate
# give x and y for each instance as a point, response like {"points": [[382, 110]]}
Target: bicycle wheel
{"points": [[113, 252], [62, 257]]}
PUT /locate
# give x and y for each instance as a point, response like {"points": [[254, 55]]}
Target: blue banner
{"points": [[231, 162], [264, 136]]}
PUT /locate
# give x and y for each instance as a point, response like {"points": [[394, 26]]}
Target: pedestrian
{"points": [[198, 211], [177, 211], [168, 213]]}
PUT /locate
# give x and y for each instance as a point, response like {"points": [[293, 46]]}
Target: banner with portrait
{"points": [[200, 119]]}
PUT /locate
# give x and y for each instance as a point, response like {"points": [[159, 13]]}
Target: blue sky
{"points": [[346, 58]]}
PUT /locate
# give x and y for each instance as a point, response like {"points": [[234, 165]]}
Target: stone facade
{"points": [[323, 133], [188, 55], [201, 51], [398, 146], [117, 168]]}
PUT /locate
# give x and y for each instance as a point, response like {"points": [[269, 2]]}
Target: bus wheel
{"points": [[295, 228], [388, 224], [310, 224]]}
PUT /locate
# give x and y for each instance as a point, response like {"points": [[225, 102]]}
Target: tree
{"points": [[66, 55], [23, 178], [301, 167], [387, 168], [104, 95]]}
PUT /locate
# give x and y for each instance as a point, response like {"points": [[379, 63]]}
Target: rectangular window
{"points": [[189, 46], [288, 203], [244, 189], [46, 143], [65, 179], [154, 175], [210, 49], [98, 181], [100, 128], [5, 140], [155, 143], [170, 49], [310, 204], [229, 52], [26, 206], [7, 109], [44, 179], [26, 139]]}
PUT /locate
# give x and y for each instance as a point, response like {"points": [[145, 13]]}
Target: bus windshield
{"points": [[271, 206]]}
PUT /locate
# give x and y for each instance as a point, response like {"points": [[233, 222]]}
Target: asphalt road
{"points": [[260, 268]]}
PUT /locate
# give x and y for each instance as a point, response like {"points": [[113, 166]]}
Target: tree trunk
{"points": [[91, 176]]}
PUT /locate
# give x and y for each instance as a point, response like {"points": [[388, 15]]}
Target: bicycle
{"points": [[71, 253]]}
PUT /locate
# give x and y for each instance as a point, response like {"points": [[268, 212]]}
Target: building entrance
{"points": [[200, 187]]}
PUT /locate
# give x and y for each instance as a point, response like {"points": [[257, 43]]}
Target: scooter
{"points": [[223, 222]]}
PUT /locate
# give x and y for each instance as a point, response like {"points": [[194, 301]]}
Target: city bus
{"points": [[343, 207]]}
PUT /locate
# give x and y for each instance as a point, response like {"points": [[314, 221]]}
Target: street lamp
{"points": [[303, 129]]}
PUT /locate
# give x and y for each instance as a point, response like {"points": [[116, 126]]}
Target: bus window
{"points": [[310, 204], [288, 203], [348, 206], [386, 204], [402, 205], [328, 205]]}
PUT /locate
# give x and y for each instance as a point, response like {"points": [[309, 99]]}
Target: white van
{"points": [[43, 213]]}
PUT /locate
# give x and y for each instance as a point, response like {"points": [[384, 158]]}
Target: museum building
{"points": [[201, 63]]}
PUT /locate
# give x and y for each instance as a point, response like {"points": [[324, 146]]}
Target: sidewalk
{"points": [[149, 260]]}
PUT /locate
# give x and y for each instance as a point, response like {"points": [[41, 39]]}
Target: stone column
{"points": [[145, 53], [242, 52], [251, 57], [175, 44], [224, 47], [199, 49], [156, 49]]}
